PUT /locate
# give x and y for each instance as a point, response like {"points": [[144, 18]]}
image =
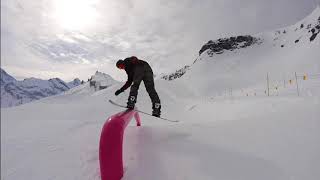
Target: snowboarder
{"points": [[137, 71]]}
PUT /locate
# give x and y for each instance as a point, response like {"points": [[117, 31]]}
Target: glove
{"points": [[118, 92]]}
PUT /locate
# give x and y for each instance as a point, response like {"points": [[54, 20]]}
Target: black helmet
{"points": [[134, 58], [119, 62]]}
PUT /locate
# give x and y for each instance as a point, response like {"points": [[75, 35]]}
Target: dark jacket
{"points": [[130, 66]]}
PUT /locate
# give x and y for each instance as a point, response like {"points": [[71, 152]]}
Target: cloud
{"points": [[166, 33]]}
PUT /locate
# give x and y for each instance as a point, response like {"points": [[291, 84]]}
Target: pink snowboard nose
{"points": [[111, 141]]}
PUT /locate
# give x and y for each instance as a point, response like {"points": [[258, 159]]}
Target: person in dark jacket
{"points": [[137, 71]]}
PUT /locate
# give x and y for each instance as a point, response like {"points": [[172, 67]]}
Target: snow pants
{"points": [[144, 73]]}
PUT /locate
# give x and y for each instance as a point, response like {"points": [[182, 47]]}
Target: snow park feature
{"points": [[111, 141]]}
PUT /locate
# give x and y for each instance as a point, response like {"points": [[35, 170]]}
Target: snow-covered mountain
{"points": [[98, 81], [101, 81], [15, 92], [303, 34], [74, 83], [6, 78], [229, 127]]}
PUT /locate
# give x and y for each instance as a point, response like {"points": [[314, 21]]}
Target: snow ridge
{"points": [[304, 32], [232, 43], [101, 81], [15, 92], [6, 78]]}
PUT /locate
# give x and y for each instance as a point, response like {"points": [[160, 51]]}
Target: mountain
{"points": [[101, 81], [15, 92], [6, 78], [74, 83], [98, 81], [300, 36], [176, 74]]}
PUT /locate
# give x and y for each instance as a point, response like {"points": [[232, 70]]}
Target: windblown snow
{"points": [[229, 129]]}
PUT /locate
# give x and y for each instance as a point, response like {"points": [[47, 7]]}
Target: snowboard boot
{"points": [[131, 102], [156, 109]]}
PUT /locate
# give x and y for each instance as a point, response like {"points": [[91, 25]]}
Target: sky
{"points": [[75, 38]]}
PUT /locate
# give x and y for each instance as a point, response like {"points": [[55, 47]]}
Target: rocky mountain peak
{"points": [[232, 43]]}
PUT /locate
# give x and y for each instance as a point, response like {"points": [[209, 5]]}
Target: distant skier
{"points": [[137, 71]]}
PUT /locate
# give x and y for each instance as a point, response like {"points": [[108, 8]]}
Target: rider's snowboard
{"points": [[116, 104]]}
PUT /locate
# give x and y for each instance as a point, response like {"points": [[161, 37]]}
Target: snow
{"points": [[5, 77], [222, 135], [20, 92], [103, 79], [14, 93], [74, 83]]}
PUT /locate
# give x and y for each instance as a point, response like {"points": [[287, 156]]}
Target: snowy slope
{"points": [[15, 92], [222, 135], [280, 53]]}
